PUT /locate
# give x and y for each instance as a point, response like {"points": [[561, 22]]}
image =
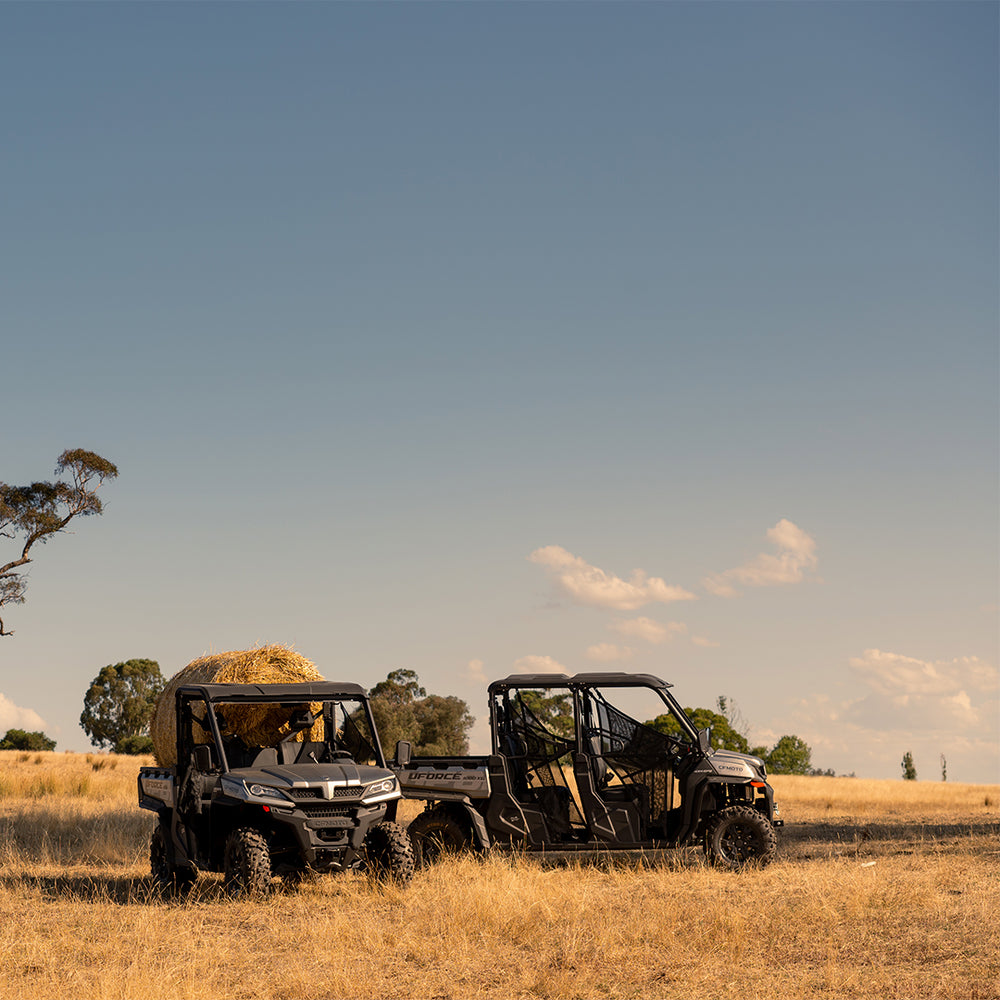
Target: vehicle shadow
{"points": [[121, 890], [125, 890], [118, 890], [806, 840]]}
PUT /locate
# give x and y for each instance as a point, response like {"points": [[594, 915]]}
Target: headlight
{"points": [[265, 792], [380, 789]]}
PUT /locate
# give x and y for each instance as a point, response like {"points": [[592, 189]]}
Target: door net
{"points": [[635, 754], [540, 759]]}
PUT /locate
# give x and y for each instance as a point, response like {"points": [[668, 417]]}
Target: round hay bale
{"points": [[256, 725]]}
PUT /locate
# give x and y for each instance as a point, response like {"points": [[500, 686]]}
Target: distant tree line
{"points": [[789, 755], [436, 725], [18, 739]]}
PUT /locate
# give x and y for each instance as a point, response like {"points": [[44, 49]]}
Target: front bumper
{"points": [[324, 835]]}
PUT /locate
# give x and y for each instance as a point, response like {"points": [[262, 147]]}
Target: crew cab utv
{"points": [[589, 778], [283, 809]]}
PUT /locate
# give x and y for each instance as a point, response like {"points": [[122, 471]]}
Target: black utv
{"points": [[571, 773], [293, 806]]}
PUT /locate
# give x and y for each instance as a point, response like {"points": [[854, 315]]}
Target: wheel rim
{"points": [[740, 843], [435, 843], [432, 845]]}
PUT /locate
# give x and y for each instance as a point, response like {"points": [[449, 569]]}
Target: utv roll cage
{"points": [[325, 692], [306, 799], [571, 773], [578, 682]]}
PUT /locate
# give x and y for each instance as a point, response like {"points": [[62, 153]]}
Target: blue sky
{"points": [[416, 329]]}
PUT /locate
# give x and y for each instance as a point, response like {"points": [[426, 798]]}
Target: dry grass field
{"points": [[882, 889]]}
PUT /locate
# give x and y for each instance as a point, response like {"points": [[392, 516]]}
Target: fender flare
{"points": [[465, 812]]}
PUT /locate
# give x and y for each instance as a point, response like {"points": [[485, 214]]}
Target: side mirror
{"points": [[404, 750], [705, 740], [203, 757]]}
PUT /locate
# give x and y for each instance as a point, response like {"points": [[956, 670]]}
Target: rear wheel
{"points": [[166, 875], [435, 833], [738, 836], [388, 853], [247, 863]]}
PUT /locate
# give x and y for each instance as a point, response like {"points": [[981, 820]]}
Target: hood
{"points": [[731, 764], [291, 775]]}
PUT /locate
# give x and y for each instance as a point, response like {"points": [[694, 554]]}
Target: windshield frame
{"points": [[576, 684], [213, 696]]}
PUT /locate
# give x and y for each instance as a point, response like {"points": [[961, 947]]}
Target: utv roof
{"points": [[312, 691], [605, 678]]}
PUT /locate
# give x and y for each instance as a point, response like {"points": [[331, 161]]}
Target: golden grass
{"points": [[65, 808], [898, 915], [95, 776], [859, 798]]}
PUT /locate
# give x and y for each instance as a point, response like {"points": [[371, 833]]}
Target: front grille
{"points": [[305, 794], [321, 810]]}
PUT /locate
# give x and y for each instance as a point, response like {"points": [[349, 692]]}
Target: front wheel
{"points": [[388, 853], [247, 863], [435, 833], [738, 836]]}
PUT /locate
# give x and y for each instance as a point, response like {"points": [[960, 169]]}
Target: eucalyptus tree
{"points": [[31, 515]]}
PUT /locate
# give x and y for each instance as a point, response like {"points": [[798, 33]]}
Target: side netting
{"points": [[546, 758], [637, 754]]}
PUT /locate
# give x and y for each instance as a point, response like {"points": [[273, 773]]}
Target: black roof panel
{"points": [[311, 691], [603, 678]]}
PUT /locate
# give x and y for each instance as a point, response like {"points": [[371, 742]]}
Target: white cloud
{"points": [[14, 717], [590, 585], [608, 652], [796, 555], [655, 632], [893, 673], [538, 665], [475, 672], [903, 703], [645, 628], [907, 693]]}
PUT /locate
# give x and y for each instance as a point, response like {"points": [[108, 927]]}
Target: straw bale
{"points": [[256, 725]]}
